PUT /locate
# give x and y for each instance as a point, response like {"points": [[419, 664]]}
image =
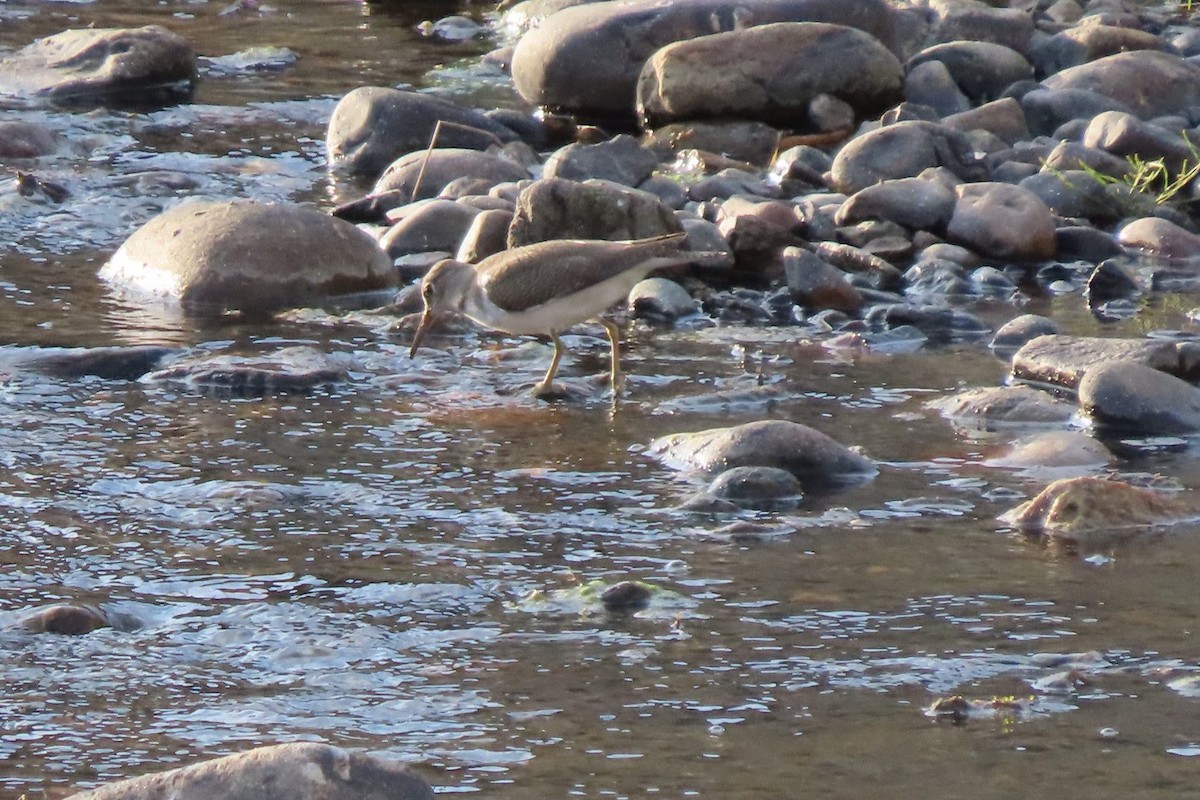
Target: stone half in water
{"points": [[1079, 508]]}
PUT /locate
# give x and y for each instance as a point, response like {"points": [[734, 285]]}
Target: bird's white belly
{"points": [[556, 315]]}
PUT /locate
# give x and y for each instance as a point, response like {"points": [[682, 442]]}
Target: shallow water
{"points": [[354, 565]]}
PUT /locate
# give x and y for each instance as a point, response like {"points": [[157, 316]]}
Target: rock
{"points": [[809, 455], [487, 236], [660, 298], [1124, 134], [755, 487], [971, 20], [929, 83], [372, 126], [1002, 221], [982, 70], [620, 160], [1060, 360], [1016, 332], [296, 771], [1133, 397], [626, 596], [770, 73], [452, 29], [1074, 156], [817, 284], [23, 139], [428, 226], [902, 150], [1076, 508], [1003, 118], [286, 371], [99, 65], [109, 363], [244, 256], [1156, 237], [749, 141], [587, 59], [1004, 405], [915, 203], [66, 618], [443, 166], [1084, 243], [553, 208], [1075, 193], [1124, 77], [1084, 43], [1054, 451], [1047, 110], [1110, 281]]}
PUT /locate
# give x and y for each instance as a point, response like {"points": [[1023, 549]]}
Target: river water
{"points": [[393, 563]]}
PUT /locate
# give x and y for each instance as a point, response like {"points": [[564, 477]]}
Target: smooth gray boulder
{"points": [[621, 159], [982, 70], [1002, 221], [1019, 330], [903, 150], [439, 167], [297, 771], [436, 224], [1130, 396], [245, 256], [97, 65], [554, 208], [586, 59], [372, 126], [915, 203], [806, 453], [1063, 361], [1149, 83], [1084, 43], [1004, 405], [975, 21], [1160, 238], [771, 73]]}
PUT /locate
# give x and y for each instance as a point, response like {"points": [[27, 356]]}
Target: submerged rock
{"points": [[244, 256], [297, 771], [1076, 507], [1019, 405], [100, 65], [1054, 452], [292, 369], [72, 619], [808, 454]]}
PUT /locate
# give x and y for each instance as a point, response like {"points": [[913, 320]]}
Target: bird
{"points": [[546, 287]]}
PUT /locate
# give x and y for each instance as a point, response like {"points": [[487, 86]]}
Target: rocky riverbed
{"points": [[909, 441]]}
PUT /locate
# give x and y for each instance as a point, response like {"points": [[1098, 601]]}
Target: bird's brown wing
{"points": [[526, 277]]}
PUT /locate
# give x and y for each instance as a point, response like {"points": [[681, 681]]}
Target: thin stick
{"points": [[437, 131]]}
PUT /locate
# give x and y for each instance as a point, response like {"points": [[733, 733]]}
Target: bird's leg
{"points": [[615, 368], [544, 386]]}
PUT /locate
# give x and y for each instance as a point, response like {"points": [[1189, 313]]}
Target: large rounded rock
{"points": [[982, 70], [1060, 360], [770, 73], [1160, 238], [1004, 405], [1002, 221], [621, 159], [810, 455], [371, 126], [297, 771], [248, 257], [1150, 83], [102, 65], [430, 225], [1132, 396], [915, 203], [1085, 43], [903, 150], [437, 168], [975, 21], [587, 59], [554, 208]]}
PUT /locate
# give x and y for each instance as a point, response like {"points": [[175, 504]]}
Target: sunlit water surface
{"points": [[355, 565]]}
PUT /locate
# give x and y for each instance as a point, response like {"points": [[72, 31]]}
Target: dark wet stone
{"points": [[110, 363], [1124, 134], [1016, 332], [1047, 110], [1009, 405], [1002, 118], [749, 141], [1002, 221], [620, 160], [982, 70], [755, 487], [292, 369], [23, 139], [625, 596], [1084, 43], [66, 619], [429, 225], [902, 150], [372, 126], [810, 455], [1076, 194], [554, 208], [96, 65], [969, 20], [772, 73], [371, 207], [933, 279], [441, 167], [254, 257], [1125, 76], [587, 59], [914, 203], [1083, 243], [296, 771], [1075, 156], [1135, 397], [1063, 361], [1110, 281]]}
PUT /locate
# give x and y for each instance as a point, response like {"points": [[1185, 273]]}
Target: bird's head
{"points": [[443, 290]]}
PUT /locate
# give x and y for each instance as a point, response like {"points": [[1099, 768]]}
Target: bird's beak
{"points": [[426, 319]]}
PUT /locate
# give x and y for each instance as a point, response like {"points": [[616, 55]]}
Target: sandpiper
{"points": [[547, 287]]}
